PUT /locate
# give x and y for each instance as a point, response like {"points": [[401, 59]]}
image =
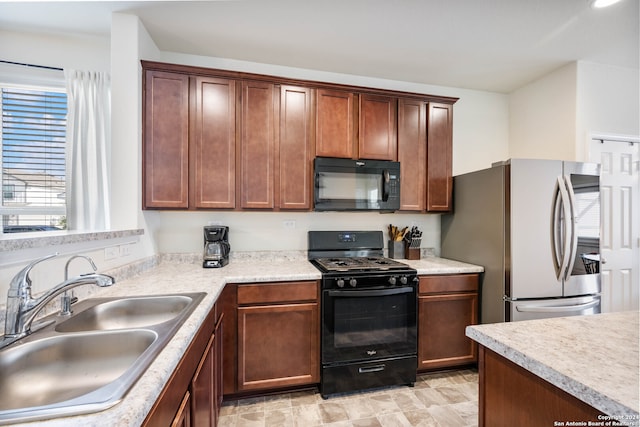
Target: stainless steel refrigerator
{"points": [[535, 227]]}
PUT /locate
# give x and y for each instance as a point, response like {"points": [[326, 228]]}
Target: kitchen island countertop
{"points": [[594, 358], [181, 277]]}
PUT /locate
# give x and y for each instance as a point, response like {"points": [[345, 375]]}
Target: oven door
{"points": [[360, 325]]}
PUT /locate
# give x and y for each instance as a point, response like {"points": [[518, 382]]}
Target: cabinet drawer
{"points": [[277, 292], [448, 284]]}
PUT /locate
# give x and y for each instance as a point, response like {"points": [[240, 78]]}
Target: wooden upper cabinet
{"points": [[213, 142], [439, 157], [295, 148], [412, 153], [377, 128], [257, 145], [166, 140], [335, 124]]}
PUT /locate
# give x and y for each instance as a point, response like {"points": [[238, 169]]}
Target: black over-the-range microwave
{"points": [[356, 185]]}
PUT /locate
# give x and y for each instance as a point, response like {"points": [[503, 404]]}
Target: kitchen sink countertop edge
{"points": [[185, 276]]}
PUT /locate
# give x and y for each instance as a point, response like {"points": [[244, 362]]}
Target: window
{"points": [[33, 159]]}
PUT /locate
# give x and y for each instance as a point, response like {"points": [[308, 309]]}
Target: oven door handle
{"points": [[374, 293]]}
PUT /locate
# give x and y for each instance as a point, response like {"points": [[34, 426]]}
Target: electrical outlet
{"points": [[214, 223], [289, 223], [125, 250], [112, 252]]}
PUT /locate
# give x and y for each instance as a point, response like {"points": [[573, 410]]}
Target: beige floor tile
{"points": [[446, 416], [366, 422], [250, 419], [358, 408], [407, 401], [430, 397], [383, 404], [306, 415], [452, 394], [397, 419], [332, 412], [279, 418], [228, 420], [444, 399], [421, 419]]}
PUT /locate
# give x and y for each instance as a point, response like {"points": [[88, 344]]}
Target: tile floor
{"points": [[445, 399]]}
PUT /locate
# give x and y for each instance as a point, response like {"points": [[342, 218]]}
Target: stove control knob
{"points": [[353, 283], [403, 280], [392, 280], [340, 283]]}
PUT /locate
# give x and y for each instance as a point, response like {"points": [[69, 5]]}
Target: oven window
{"points": [[361, 327], [370, 320]]}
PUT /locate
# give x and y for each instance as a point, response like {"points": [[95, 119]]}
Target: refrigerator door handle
{"points": [[561, 239], [574, 233], [555, 308]]}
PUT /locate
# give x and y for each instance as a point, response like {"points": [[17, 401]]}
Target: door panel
{"points": [[619, 266]]}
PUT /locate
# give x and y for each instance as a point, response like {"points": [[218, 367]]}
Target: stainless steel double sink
{"points": [[89, 361]]}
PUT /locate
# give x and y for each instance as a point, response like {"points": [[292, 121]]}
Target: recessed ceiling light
{"points": [[599, 4]]}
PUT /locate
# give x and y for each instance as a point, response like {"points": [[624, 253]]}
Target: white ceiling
{"points": [[493, 45]]}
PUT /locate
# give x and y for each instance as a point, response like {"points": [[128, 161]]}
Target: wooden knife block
{"points": [[411, 253]]}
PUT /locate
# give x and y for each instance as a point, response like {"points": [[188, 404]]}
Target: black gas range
{"points": [[368, 309]]}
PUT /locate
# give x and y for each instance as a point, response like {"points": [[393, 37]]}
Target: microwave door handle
{"points": [[385, 185]]}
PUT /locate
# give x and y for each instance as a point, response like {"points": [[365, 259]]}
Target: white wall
{"points": [[554, 116], [608, 103], [542, 117]]}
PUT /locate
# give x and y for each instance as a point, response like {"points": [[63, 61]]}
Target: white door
{"points": [[620, 239]]}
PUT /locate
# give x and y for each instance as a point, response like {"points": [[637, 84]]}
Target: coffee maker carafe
{"points": [[216, 246]]}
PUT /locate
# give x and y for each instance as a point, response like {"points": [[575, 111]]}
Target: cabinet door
{"points": [[166, 140], [213, 154], [295, 163], [334, 124], [439, 157], [183, 417], [202, 389], [257, 145], [442, 320], [278, 346], [412, 153], [377, 128], [218, 383]]}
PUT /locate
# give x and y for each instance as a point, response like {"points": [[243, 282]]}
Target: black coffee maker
{"points": [[216, 246]]}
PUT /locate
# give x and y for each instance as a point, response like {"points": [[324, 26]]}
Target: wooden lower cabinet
{"points": [[509, 395], [278, 335], [192, 396], [446, 306]]}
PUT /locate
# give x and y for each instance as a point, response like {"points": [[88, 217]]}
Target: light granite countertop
{"points": [[181, 274], [594, 358]]}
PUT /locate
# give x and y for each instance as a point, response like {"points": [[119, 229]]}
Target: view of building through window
{"points": [[33, 159]]}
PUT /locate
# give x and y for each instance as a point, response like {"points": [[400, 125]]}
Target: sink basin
{"points": [[64, 367], [89, 361], [135, 312]]}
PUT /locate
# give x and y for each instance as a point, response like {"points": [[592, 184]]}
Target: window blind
{"points": [[33, 156]]}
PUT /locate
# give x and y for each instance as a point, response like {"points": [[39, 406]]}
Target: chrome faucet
{"points": [[22, 308], [67, 300]]}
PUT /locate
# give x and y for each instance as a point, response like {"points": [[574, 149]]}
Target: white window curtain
{"points": [[88, 155]]}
